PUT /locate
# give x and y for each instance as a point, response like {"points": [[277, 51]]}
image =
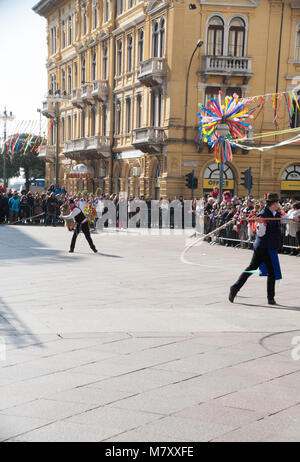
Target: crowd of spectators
{"points": [[212, 210]]}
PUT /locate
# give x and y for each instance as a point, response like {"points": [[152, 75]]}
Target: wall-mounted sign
{"points": [[291, 185], [210, 183]]}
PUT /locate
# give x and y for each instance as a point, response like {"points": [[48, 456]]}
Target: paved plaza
{"points": [[132, 345]]}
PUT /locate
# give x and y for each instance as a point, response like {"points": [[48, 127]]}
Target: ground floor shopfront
{"points": [[162, 174]]}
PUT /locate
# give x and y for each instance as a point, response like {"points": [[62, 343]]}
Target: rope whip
{"points": [[204, 236]]}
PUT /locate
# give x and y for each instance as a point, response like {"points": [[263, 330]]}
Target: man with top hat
{"points": [[266, 245], [81, 224]]}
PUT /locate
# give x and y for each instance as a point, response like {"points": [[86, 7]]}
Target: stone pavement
{"points": [[132, 345]]}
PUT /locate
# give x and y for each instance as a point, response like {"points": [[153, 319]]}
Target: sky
{"points": [[23, 54]]}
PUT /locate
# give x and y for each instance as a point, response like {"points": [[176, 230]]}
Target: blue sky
{"points": [[23, 54]]}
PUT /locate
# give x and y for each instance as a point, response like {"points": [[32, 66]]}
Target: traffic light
{"points": [[189, 180], [246, 178]]}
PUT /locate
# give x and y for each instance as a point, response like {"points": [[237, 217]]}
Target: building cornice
{"points": [[44, 7], [245, 4]]}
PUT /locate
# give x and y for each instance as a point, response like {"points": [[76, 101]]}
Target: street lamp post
{"points": [[40, 111], [223, 130], [5, 117], [199, 44], [57, 144]]}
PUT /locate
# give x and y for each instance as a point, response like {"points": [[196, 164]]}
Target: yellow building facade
{"points": [[126, 106]]}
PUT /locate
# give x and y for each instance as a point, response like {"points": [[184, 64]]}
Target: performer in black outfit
{"points": [[81, 223], [268, 241]]}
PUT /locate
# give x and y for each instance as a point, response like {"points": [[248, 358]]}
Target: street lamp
{"points": [[56, 98], [199, 44], [5, 117]]}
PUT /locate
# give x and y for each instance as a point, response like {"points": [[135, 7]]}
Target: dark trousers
{"points": [[85, 229], [259, 256]]}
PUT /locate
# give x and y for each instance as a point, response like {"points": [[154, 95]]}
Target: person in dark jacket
{"points": [[51, 207], [4, 208], [81, 224], [266, 245]]}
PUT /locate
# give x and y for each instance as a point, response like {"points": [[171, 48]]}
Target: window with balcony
{"points": [[119, 57], [104, 119], [93, 121], [104, 60], [70, 29], [63, 80], [63, 33], [63, 129], [69, 80], [83, 69], [215, 36], [82, 123], [118, 117], [138, 111], [129, 53], [156, 107], [69, 128], [158, 38], [141, 45], [75, 75], [94, 65], [128, 115], [75, 126], [236, 41], [52, 83]]}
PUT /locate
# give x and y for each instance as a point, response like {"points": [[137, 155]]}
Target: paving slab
{"points": [[133, 345]]}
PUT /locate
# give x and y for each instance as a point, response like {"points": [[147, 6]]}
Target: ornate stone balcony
{"points": [[100, 90], [86, 93], [76, 98], [227, 66], [47, 153], [93, 147], [152, 71], [48, 109], [149, 139]]}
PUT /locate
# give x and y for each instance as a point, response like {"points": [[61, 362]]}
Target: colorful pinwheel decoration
{"points": [[221, 124]]}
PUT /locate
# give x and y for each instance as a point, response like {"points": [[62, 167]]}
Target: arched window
{"points": [[141, 45], [63, 80], [95, 15], [75, 75], [129, 53], [63, 33], [215, 36], [236, 41], [84, 23], [104, 61], [69, 79], [106, 10], [128, 115], [139, 111], [93, 121], [83, 69], [70, 30], [82, 123], [104, 119], [69, 127], [118, 117], [155, 39], [94, 65], [162, 37], [63, 129], [119, 57], [211, 92]]}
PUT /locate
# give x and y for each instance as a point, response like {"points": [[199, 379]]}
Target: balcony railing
{"points": [[152, 71], [86, 93], [48, 109], [100, 90], [149, 139], [87, 148], [76, 98], [227, 65], [47, 153]]}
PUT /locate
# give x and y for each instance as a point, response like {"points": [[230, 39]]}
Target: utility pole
{"points": [[5, 117]]}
